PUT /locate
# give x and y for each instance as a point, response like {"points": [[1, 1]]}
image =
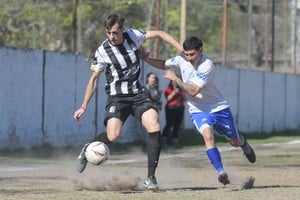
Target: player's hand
{"points": [[78, 113]]}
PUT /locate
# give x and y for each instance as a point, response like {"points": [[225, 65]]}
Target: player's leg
{"points": [[247, 149], [113, 130], [115, 116], [227, 127], [150, 121], [144, 110], [214, 154], [114, 127], [117, 111], [202, 122]]}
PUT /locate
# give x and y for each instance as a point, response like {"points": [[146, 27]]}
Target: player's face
{"points": [[115, 35], [193, 55]]}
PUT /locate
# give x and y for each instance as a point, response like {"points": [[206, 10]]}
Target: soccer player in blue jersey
{"points": [[118, 58], [208, 109]]}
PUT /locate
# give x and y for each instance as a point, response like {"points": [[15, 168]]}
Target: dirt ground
{"points": [[182, 174]]}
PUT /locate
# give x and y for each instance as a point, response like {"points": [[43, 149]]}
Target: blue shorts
{"points": [[221, 122]]}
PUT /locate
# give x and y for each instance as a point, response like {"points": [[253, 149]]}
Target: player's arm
{"points": [[189, 88], [90, 90], [160, 64], [166, 38]]}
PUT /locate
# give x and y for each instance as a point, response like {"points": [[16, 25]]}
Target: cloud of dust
{"points": [[109, 182]]}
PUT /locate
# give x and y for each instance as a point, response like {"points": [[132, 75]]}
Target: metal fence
{"points": [[265, 36], [255, 34]]}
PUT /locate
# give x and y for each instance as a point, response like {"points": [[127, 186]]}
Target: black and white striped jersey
{"points": [[121, 63]]}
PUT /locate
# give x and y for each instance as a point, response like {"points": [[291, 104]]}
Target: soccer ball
{"points": [[97, 153]]}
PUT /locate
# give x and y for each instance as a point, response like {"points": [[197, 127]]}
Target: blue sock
{"points": [[215, 159]]}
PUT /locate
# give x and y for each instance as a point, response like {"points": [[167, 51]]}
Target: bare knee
{"points": [[150, 120], [114, 127], [208, 138]]}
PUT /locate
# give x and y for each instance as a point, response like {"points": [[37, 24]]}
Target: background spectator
{"points": [[152, 88], [174, 110]]}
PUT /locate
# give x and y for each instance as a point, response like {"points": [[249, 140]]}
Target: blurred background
{"points": [[253, 34]]}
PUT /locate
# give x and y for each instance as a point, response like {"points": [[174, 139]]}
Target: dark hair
{"points": [[149, 74], [170, 85], [192, 43], [114, 19]]}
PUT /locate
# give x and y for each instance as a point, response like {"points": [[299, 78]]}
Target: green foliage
{"points": [[206, 26], [49, 24], [174, 22]]}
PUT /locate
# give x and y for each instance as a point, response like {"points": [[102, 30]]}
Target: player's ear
{"points": [[201, 50]]}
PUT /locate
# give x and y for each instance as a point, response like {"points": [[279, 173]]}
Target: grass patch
{"points": [[193, 138]]}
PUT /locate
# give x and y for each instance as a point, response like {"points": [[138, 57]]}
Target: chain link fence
{"points": [[259, 34], [264, 36]]}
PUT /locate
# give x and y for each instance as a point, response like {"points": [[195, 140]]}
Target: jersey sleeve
{"points": [[201, 76], [98, 63], [140, 36], [173, 62]]}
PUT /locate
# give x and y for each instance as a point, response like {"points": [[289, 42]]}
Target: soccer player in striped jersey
{"points": [[208, 109], [118, 58]]}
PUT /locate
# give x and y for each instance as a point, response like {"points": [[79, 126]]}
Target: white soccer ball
{"points": [[97, 153]]}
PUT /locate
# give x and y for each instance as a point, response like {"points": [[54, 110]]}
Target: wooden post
{"points": [[224, 36]]}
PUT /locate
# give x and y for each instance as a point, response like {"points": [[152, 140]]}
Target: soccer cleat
{"points": [[151, 183], [81, 161], [223, 178], [249, 152]]}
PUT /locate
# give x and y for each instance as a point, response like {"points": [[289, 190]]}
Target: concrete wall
{"points": [[41, 89]]}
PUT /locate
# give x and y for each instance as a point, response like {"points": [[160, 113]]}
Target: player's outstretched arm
{"points": [[157, 63], [166, 38], [90, 90]]}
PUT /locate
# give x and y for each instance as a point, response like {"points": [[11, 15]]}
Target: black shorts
{"points": [[122, 106]]}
